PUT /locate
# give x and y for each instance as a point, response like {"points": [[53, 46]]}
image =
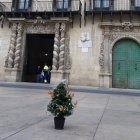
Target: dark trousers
{"points": [[49, 77], [45, 75], [39, 78]]}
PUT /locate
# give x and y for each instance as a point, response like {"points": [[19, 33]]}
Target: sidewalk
{"points": [[88, 89], [97, 116]]}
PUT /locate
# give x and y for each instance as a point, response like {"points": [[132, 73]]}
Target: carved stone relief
{"points": [[113, 37], [67, 58], [18, 46], [14, 53], [127, 26], [37, 27], [101, 57], [61, 53], [39, 20], [56, 47], [9, 62], [113, 33], [62, 46]]}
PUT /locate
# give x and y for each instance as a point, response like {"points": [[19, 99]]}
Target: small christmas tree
{"points": [[61, 104]]}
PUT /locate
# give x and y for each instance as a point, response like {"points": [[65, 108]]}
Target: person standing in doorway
{"points": [[38, 74], [45, 70], [49, 74]]}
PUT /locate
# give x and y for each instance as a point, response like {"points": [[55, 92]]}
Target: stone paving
{"points": [[23, 116]]}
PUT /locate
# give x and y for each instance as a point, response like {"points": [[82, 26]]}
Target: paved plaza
{"points": [[98, 116]]}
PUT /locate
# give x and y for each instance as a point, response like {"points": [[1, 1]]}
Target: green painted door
{"points": [[126, 64]]}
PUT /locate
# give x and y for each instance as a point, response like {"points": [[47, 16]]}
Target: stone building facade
{"points": [[88, 36]]}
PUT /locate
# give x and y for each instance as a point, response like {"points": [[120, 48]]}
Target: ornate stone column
{"points": [[13, 58], [18, 46], [104, 60], [101, 58], [56, 47], [67, 58], [9, 62], [58, 71], [56, 75], [62, 46]]}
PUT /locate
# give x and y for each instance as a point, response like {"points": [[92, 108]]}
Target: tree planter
{"points": [[61, 104], [59, 122]]}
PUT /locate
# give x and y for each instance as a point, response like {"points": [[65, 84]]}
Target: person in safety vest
{"points": [[39, 77], [45, 70], [49, 74]]}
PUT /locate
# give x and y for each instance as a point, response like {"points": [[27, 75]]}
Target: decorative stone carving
{"points": [[101, 58], [56, 46], [40, 28], [9, 62], [116, 29], [123, 27], [62, 46], [18, 46], [67, 60], [123, 35], [111, 34], [39, 20], [127, 26]]}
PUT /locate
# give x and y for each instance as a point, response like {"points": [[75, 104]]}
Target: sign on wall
{"points": [[85, 41]]}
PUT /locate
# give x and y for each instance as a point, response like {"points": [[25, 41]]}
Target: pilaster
{"points": [[12, 62], [56, 47], [62, 46], [12, 74]]}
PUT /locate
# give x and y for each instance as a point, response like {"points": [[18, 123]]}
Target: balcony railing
{"points": [[44, 6], [112, 5]]}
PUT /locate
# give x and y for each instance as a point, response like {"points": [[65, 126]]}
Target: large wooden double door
{"points": [[126, 64]]}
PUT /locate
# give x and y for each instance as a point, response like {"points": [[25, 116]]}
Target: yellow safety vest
{"points": [[45, 67]]}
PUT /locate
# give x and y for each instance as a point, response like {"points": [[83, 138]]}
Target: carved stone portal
{"points": [[56, 46], [9, 62], [111, 34], [62, 46], [14, 53], [61, 61], [13, 59], [18, 46]]}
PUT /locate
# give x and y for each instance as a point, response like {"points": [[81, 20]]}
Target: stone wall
{"points": [[85, 65], [5, 34]]}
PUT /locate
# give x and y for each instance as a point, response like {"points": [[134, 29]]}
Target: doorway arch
{"points": [[126, 64]]}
